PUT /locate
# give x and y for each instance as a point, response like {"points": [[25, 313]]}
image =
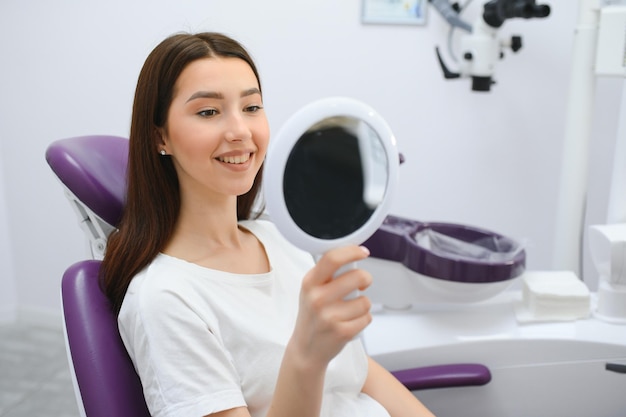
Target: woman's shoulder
{"points": [[262, 223], [165, 277], [264, 229], [267, 232], [162, 291]]}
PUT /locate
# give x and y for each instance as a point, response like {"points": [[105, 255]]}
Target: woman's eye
{"points": [[253, 109], [207, 113]]}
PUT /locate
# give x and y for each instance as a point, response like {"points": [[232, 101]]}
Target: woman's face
{"points": [[217, 131]]}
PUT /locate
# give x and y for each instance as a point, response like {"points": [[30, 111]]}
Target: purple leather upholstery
{"points": [[108, 383], [94, 169], [444, 376]]}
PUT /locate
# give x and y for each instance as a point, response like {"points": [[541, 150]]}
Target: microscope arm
{"points": [[450, 14]]}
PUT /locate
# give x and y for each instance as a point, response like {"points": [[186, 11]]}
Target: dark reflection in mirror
{"points": [[323, 183]]}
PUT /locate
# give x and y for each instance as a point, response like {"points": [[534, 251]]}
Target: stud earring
{"points": [[162, 152]]}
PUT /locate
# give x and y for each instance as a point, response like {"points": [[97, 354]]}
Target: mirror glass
{"points": [[324, 182], [330, 173]]}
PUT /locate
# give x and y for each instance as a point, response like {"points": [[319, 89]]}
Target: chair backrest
{"points": [[93, 171], [106, 383]]}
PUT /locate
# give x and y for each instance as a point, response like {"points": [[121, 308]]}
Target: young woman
{"points": [[220, 315]]}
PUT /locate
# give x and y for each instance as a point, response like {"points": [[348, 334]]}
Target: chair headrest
{"points": [[93, 168]]}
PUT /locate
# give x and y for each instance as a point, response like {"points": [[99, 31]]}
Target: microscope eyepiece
{"points": [[497, 11]]}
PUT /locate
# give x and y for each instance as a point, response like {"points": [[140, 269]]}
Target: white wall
{"points": [[8, 291], [490, 160]]}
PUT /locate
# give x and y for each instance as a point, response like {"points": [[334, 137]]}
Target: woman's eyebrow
{"points": [[205, 94], [216, 95], [250, 92]]}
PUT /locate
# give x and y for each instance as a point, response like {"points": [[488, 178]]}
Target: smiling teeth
{"points": [[241, 159]]}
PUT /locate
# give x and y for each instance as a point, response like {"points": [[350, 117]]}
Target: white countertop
{"points": [[487, 333]]}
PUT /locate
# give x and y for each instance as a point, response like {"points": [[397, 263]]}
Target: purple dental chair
{"points": [[92, 169]]}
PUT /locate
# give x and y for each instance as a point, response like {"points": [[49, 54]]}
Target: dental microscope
{"points": [[480, 48]]}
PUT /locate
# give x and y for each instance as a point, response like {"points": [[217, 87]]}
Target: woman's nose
{"points": [[237, 129]]}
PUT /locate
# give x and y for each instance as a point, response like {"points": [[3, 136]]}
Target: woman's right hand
{"points": [[326, 322], [326, 319]]}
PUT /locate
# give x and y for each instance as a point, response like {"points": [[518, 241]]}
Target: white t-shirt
{"points": [[204, 340]]}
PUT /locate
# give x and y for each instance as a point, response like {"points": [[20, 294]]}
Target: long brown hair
{"points": [[153, 197]]}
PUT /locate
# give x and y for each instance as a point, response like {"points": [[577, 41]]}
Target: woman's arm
{"points": [[391, 394], [326, 322], [298, 390]]}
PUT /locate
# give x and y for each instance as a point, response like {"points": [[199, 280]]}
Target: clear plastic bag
{"points": [[488, 248]]}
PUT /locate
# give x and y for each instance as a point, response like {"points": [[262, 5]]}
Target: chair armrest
{"points": [[443, 376]]}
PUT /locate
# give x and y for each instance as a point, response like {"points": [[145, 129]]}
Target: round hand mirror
{"points": [[330, 174]]}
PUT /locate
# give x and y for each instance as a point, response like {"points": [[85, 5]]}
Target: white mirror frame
{"points": [[280, 148]]}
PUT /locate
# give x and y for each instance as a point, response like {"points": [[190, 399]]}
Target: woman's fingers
{"points": [[347, 310], [332, 261], [327, 319], [348, 282], [353, 317], [320, 293], [341, 321]]}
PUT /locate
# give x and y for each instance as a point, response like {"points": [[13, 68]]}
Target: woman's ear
{"points": [[161, 141]]}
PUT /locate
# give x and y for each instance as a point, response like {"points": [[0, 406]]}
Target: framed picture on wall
{"points": [[394, 12]]}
